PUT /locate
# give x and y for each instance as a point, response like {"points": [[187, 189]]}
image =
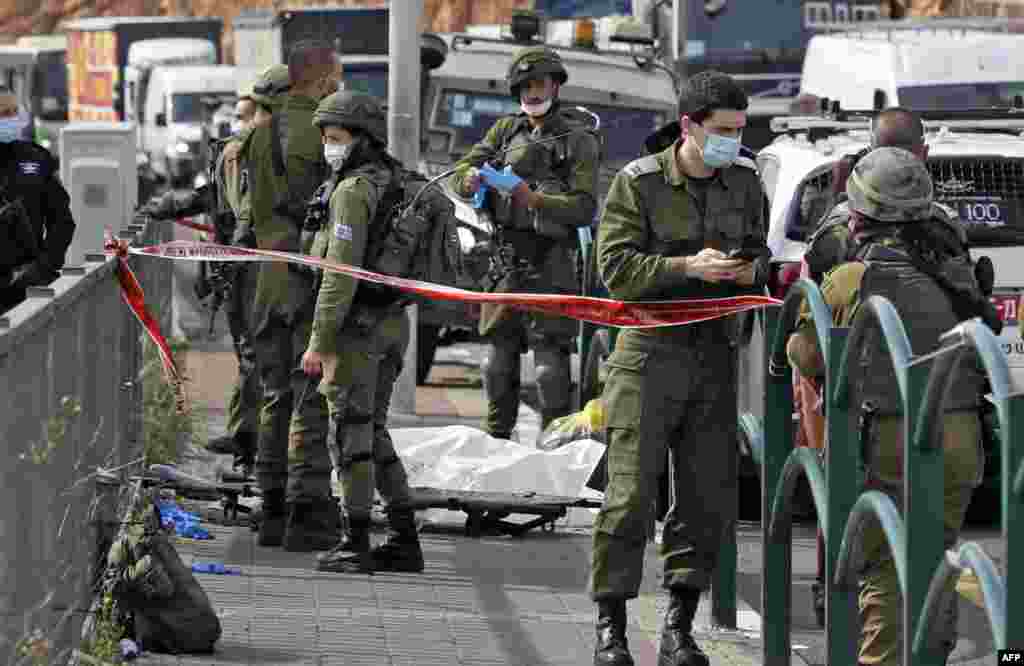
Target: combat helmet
{"points": [[354, 110], [270, 83], [533, 62], [891, 186]]}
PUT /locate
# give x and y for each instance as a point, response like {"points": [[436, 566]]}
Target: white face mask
{"points": [[335, 154], [536, 110]]}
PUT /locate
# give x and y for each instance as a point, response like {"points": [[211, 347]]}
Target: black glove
{"points": [[33, 274]]}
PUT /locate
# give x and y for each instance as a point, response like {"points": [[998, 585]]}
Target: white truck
{"points": [[938, 64], [166, 82]]}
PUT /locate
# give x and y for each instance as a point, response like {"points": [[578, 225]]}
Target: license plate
{"points": [[983, 212]]}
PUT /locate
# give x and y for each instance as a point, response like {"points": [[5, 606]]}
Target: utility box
{"points": [[98, 169]]}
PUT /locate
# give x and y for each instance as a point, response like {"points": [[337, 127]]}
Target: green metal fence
{"points": [[915, 535]]}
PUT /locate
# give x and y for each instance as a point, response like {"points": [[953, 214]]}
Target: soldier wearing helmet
{"points": [[283, 165], [538, 194], [225, 199], [894, 256], [358, 343]]}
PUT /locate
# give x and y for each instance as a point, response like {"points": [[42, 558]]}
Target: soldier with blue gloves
{"points": [[538, 194]]}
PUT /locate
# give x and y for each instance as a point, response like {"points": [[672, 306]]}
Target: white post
{"points": [[404, 144], [679, 27]]}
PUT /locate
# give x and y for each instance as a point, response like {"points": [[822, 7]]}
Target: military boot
{"points": [[245, 456], [312, 525], [351, 555], [272, 524], [677, 645], [401, 551], [818, 595], [612, 648]]}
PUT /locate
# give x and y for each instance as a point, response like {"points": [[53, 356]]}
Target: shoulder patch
{"points": [[643, 166]]}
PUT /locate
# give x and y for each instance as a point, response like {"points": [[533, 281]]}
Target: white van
{"points": [[174, 112], [919, 65]]}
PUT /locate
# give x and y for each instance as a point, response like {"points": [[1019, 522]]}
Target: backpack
{"points": [[171, 613], [418, 242]]}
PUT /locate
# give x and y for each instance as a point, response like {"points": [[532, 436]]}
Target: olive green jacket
{"points": [[279, 290], [651, 216], [344, 239], [573, 207]]}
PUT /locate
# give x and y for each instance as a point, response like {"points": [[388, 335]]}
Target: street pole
{"points": [[679, 27], [404, 143]]}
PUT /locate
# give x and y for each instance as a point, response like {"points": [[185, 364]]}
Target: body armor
{"points": [[927, 312]]}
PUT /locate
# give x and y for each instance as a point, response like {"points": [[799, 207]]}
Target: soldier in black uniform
{"points": [[35, 210]]}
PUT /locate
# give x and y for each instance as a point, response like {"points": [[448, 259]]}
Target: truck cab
{"points": [[175, 112], [938, 64]]}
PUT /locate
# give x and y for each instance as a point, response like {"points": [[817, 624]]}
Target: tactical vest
{"points": [[927, 312], [547, 168], [419, 243]]}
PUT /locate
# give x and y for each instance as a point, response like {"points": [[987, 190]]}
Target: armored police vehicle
{"points": [[976, 159]]}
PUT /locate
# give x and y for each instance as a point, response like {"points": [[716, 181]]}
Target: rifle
{"points": [[197, 488]]}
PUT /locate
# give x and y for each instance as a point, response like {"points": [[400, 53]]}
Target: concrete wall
{"points": [[75, 338]]}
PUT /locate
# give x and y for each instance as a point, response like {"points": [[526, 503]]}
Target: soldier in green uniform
{"points": [[831, 244], [225, 196], [538, 206], [283, 166], [670, 222], [898, 254], [360, 334]]}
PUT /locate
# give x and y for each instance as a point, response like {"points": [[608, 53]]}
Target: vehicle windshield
{"points": [[951, 96], [371, 79], [472, 114], [50, 86], [188, 107]]}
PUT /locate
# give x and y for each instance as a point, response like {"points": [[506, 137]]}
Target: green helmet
{"points": [[891, 185], [533, 62], [354, 110], [271, 82]]}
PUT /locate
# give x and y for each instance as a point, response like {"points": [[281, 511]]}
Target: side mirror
{"points": [[433, 51], [712, 8], [160, 119], [878, 101]]}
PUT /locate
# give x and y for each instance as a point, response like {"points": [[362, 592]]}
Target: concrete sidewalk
{"points": [[484, 601]]}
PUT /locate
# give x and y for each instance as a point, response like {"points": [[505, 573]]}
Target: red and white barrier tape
{"points": [[603, 311]]}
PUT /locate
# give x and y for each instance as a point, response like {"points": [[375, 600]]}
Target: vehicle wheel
{"points": [[591, 383], [427, 337]]}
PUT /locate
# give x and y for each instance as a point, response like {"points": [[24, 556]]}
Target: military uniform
{"points": [[278, 181], [246, 394], [361, 339], [884, 264], [35, 220], [564, 171]]}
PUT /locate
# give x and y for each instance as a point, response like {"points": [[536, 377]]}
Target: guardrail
{"points": [[70, 362], [914, 535]]}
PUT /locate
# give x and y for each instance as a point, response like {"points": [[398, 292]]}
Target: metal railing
{"points": [[71, 342], [914, 534]]}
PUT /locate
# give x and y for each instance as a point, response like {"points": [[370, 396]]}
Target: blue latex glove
{"points": [[478, 196], [503, 181]]}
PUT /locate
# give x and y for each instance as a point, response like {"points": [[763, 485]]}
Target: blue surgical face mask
{"points": [[13, 128], [719, 151]]}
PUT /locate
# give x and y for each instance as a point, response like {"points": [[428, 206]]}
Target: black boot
{"points": [[818, 592], [245, 456], [351, 555], [313, 524], [677, 645], [272, 524], [612, 648], [401, 551]]}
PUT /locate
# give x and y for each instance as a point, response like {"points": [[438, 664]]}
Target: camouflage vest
{"points": [[927, 312]]}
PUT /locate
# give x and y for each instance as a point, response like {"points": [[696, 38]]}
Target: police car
{"points": [[976, 159]]}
